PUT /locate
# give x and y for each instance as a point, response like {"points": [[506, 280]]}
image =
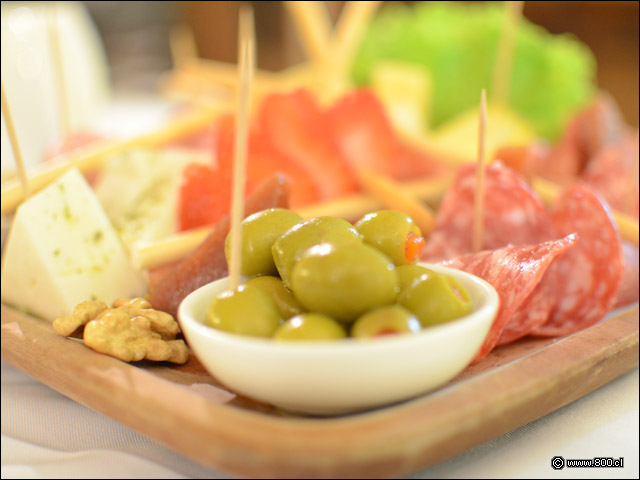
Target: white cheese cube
{"points": [[62, 250]]}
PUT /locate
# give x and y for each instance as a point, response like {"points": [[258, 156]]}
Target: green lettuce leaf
{"points": [[553, 76]]}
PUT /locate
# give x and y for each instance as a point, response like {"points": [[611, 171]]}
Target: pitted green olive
{"points": [[393, 233], [247, 311], [387, 320], [291, 245], [259, 232], [310, 326], [344, 281], [407, 274], [288, 304], [436, 299]]}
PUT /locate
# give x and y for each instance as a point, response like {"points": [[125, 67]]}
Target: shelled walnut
{"points": [[130, 330]]}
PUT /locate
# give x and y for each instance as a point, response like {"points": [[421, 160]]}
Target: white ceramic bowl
{"points": [[325, 378]]}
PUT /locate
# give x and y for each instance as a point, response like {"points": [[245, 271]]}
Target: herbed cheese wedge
{"points": [[62, 250], [139, 191]]}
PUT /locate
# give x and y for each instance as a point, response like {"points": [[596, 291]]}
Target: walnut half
{"points": [[130, 331]]}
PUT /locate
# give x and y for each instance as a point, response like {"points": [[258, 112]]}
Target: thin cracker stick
{"points": [[341, 47], [353, 20], [314, 27], [392, 195], [627, 225], [15, 146], [182, 43], [352, 207], [91, 156], [226, 74]]}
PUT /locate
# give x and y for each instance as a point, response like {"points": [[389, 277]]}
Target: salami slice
{"points": [[586, 280], [514, 272], [629, 289], [591, 129], [513, 214], [208, 262], [533, 313], [613, 174]]}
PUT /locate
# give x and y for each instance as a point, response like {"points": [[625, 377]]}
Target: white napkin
{"points": [[46, 435]]}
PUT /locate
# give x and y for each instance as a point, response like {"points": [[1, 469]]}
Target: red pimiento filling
{"points": [[413, 247]]}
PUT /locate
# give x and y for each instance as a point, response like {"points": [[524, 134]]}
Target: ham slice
{"points": [[208, 262]]}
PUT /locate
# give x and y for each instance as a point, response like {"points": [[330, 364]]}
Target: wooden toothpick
{"points": [[504, 56], [478, 211], [314, 27], [347, 36], [246, 66], [15, 146], [53, 30], [182, 43]]}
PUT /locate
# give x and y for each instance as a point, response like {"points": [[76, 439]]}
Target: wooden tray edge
{"points": [[393, 441]]}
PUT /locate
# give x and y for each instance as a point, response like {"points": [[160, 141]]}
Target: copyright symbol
{"points": [[557, 463]]}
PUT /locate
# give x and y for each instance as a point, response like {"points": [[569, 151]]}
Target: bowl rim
{"points": [[488, 308]]}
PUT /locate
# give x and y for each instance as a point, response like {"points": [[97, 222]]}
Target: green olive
{"points": [[310, 326], [393, 233], [387, 320], [289, 247], [344, 281], [247, 311], [287, 303], [407, 274], [436, 299], [259, 231]]}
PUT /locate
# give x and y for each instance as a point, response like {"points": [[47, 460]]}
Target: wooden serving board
{"points": [[181, 407]]}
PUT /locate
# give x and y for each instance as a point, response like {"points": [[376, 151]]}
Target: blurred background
{"points": [[126, 49], [136, 37]]}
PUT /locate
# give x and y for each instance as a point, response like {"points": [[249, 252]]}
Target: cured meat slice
{"points": [[588, 278], [364, 135], [362, 132], [411, 163], [514, 272], [513, 214], [591, 129], [613, 172], [523, 158], [296, 128], [533, 312], [629, 289], [205, 196], [262, 162], [208, 262]]}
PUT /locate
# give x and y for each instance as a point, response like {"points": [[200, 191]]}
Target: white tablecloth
{"points": [[46, 435]]}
